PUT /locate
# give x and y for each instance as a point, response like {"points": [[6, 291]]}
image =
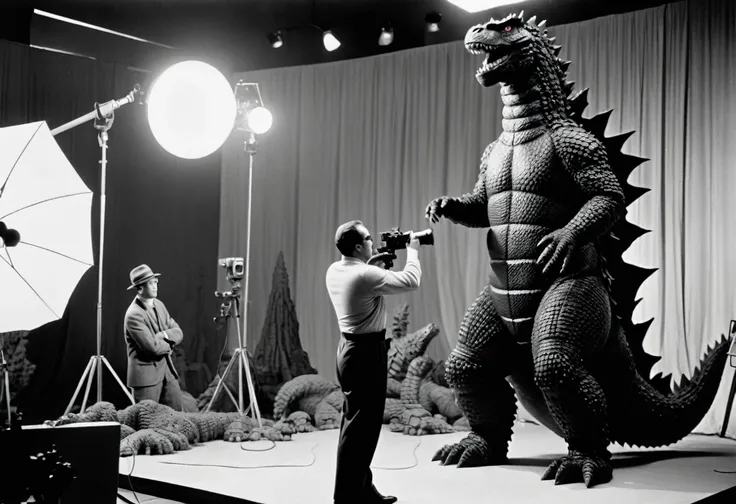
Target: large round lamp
{"points": [[191, 109]]}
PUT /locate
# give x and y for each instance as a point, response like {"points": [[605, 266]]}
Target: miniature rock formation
{"points": [[279, 356]]}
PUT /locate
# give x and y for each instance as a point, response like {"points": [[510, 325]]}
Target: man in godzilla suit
{"points": [[555, 318]]}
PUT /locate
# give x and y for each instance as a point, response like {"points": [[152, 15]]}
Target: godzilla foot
{"points": [[473, 451], [237, 431], [148, 441], [578, 467]]}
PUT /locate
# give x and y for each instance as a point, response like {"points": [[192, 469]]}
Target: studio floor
{"points": [[302, 470]]}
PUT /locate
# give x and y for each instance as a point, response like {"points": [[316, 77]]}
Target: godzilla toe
{"points": [[577, 467], [473, 451]]}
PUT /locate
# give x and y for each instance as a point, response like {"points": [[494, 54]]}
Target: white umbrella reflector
{"points": [[43, 198]]}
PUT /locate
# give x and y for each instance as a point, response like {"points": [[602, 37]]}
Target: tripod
{"points": [[103, 115], [5, 390], [240, 355]]}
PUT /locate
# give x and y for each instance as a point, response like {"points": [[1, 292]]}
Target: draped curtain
{"points": [[377, 138]]}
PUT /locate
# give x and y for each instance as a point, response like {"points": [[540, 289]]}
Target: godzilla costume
{"points": [[555, 319]]}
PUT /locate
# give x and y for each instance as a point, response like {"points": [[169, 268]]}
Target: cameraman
{"points": [[356, 287]]}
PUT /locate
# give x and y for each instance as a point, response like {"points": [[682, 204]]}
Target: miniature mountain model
{"points": [[279, 356]]}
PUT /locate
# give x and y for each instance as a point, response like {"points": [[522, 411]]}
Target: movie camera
{"points": [[394, 240], [234, 272]]}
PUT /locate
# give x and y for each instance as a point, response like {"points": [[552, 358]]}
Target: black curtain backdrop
{"points": [[160, 210]]}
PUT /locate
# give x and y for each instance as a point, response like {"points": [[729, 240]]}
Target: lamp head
{"points": [[252, 116], [191, 109]]}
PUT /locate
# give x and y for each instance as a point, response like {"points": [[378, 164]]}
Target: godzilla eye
{"points": [[508, 29]]}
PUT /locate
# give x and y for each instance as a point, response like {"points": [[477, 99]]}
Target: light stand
{"points": [[241, 353], [103, 115], [248, 97], [5, 390]]}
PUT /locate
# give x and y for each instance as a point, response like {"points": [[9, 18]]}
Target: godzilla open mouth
{"points": [[496, 56]]}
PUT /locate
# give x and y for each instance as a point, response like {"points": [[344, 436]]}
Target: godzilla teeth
{"points": [[477, 48], [488, 66]]}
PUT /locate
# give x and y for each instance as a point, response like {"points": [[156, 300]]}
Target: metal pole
{"points": [[247, 252], [103, 181]]}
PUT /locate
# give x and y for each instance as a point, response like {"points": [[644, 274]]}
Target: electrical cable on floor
{"points": [[314, 459], [130, 482], [724, 472]]}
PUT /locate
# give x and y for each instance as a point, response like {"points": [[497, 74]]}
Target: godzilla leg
{"points": [[571, 325], [476, 371]]}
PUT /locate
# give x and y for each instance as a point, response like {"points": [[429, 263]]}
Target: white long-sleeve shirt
{"points": [[357, 289]]}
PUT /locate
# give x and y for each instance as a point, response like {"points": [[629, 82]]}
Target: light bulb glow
{"points": [[330, 41], [386, 37], [260, 120], [191, 109]]}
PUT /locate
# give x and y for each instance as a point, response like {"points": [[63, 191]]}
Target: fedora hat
{"points": [[141, 274]]}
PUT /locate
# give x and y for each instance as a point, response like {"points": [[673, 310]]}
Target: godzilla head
{"points": [[513, 48]]}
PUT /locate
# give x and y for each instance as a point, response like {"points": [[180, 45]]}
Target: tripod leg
{"points": [[117, 379], [729, 405], [251, 389], [230, 394], [89, 383], [222, 381], [79, 386]]}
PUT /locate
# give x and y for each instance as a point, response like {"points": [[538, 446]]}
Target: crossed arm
{"points": [[154, 344]]}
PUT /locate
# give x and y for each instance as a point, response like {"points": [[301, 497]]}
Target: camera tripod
{"points": [[240, 356]]}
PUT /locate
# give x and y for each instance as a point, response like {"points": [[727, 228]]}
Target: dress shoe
{"points": [[381, 499], [373, 499]]}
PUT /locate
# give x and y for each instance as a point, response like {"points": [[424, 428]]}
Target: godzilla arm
{"points": [[585, 159], [471, 209]]}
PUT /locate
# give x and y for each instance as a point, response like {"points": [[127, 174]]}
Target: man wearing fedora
{"points": [[150, 334]]}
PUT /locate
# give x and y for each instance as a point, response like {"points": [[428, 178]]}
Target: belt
{"points": [[365, 337]]}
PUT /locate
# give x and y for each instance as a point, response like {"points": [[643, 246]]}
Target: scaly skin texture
{"points": [[411, 393], [555, 319], [154, 429]]}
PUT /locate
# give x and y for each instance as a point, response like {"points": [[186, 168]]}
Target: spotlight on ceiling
{"points": [[275, 39], [473, 6], [330, 41], [433, 21], [386, 36]]}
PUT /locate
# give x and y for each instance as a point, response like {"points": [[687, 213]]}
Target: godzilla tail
{"points": [[298, 388], [640, 415]]}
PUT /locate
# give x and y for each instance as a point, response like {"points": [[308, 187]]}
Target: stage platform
{"points": [[301, 471]]}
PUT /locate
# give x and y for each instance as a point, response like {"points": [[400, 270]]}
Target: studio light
{"points": [[386, 37], [433, 21], [330, 41], [473, 6], [191, 109], [252, 116], [275, 39]]}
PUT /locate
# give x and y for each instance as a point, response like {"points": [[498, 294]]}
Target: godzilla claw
{"points": [[437, 208], [576, 467], [473, 451]]}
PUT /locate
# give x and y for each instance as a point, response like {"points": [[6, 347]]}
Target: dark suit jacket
{"points": [[145, 334]]}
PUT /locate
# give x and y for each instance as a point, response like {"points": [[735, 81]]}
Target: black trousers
{"points": [[362, 374]]}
